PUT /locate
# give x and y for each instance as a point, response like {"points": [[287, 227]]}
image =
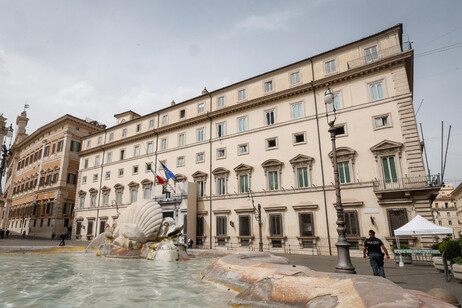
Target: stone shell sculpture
{"points": [[140, 223]]}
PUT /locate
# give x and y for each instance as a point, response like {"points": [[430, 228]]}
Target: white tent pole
{"points": [[401, 263]]}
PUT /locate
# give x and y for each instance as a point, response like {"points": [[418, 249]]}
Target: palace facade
{"points": [[265, 140]]}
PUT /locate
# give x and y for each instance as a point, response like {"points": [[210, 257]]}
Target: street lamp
{"points": [[257, 217], [6, 152], [343, 247]]}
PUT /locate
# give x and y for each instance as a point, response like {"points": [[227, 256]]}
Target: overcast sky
{"points": [[98, 58]]}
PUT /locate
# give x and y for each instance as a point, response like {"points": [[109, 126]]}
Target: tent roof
{"points": [[421, 226]]}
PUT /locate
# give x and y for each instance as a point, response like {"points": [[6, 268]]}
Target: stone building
{"points": [[266, 139], [42, 176], [447, 208]]}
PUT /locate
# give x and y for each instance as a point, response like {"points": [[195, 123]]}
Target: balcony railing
{"points": [[406, 183], [170, 197], [381, 54]]}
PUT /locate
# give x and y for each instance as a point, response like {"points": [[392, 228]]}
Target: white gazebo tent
{"points": [[419, 226]]}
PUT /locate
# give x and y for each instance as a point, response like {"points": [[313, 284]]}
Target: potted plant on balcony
{"points": [[407, 257]]}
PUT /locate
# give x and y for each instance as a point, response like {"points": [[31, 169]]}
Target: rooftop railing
{"points": [[381, 54], [405, 183]]}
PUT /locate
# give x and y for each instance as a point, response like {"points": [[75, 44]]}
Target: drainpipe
{"points": [[100, 183], [155, 156], [210, 170], [320, 157]]}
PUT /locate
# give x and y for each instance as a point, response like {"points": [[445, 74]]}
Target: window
{"points": [[297, 112], [244, 225], [200, 134], [243, 149], [351, 223], [93, 201], [135, 169], [88, 143], [151, 123], [221, 225], [60, 148], [376, 91], [389, 169], [275, 224], [200, 226], [109, 157], [46, 152], [221, 185], [124, 132], [302, 176], [111, 136], [200, 157], [200, 188], [163, 144], [330, 67], [244, 183], [100, 140], [181, 139], [450, 222], [273, 180], [106, 198], [136, 151], [242, 122], [335, 103], [200, 107], [241, 95], [448, 214], [85, 163], [371, 54], [84, 180], [133, 193], [396, 219], [221, 101], [221, 130], [95, 177], [182, 113], [119, 197], [268, 86], [299, 138], [271, 143], [305, 221], [382, 121], [269, 117], [122, 154], [121, 172], [82, 202], [108, 175], [149, 148], [75, 146], [97, 160], [294, 78], [221, 153], [71, 178], [180, 161], [165, 119], [340, 130], [344, 172], [138, 128]]}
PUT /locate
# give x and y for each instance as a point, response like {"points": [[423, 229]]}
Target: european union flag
{"points": [[168, 174]]}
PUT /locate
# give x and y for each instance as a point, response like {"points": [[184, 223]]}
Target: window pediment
{"points": [[93, 191], [82, 193], [272, 163], [301, 161], [220, 171], [181, 177], [344, 153], [199, 175], [118, 186], [146, 182], [105, 189], [243, 168], [133, 184], [387, 147]]}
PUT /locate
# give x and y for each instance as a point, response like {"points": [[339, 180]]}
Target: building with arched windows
{"points": [[266, 139]]}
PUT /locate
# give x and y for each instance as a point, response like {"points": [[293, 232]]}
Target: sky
{"points": [[93, 59]]}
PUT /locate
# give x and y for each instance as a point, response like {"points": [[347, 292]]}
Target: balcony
{"points": [[170, 197], [381, 54], [407, 183]]}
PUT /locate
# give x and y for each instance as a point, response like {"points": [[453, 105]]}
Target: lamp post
{"points": [[6, 152], [258, 218], [343, 247]]}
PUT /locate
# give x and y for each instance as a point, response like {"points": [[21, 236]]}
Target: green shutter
{"points": [[393, 169], [347, 173], [386, 171], [305, 175], [341, 172]]}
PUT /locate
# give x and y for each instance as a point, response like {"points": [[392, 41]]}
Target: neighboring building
{"points": [[269, 134], [3, 144], [42, 176], [444, 209], [456, 196]]}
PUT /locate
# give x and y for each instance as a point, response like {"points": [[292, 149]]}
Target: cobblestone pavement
{"points": [[416, 277]]}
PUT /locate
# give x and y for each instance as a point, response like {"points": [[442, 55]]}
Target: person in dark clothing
{"points": [[374, 247], [63, 237], [24, 235], [7, 233]]}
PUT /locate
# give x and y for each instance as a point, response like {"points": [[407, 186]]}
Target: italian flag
{"points": [[159, 179]]}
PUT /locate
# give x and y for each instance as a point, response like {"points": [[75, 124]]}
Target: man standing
{"points": [[374, 246]]}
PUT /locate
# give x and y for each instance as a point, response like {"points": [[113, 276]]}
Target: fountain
{"points": [[142, 232]]}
